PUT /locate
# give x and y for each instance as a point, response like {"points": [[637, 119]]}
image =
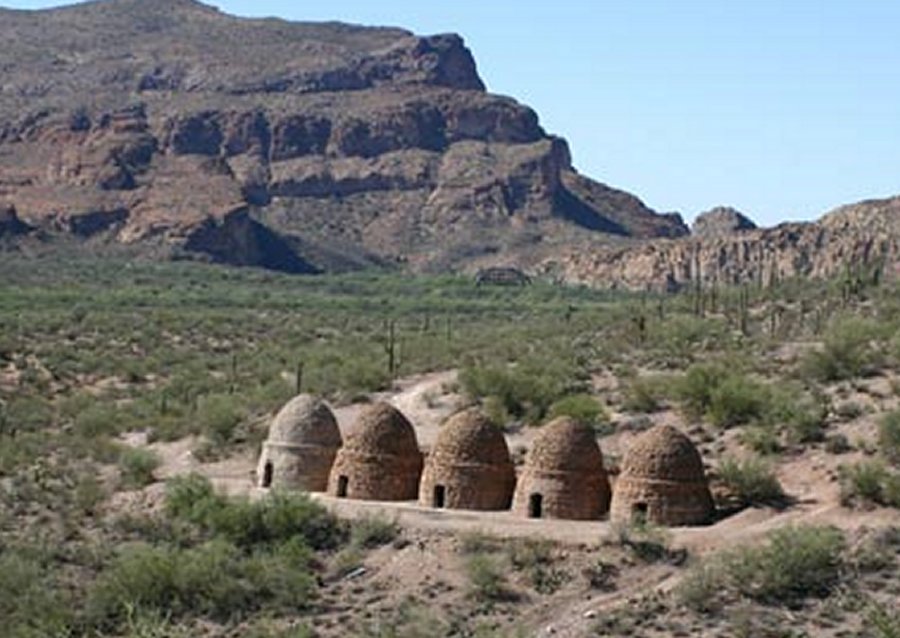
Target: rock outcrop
{"points": [[288, 145], [721, 221], [859, 236]]}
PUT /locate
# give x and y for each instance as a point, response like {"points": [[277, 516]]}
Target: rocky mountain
{"points": [[859, 236], [171, 127]]}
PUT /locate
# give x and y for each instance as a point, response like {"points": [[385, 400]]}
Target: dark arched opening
{"points": [[343, 484], [639, 513], [535, 506], [440, 493], [268, 470]]}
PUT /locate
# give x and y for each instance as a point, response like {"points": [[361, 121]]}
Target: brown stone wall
{"points": [[566, 495], [667, 502], [303, 467], [469, 486], [373, 477]]}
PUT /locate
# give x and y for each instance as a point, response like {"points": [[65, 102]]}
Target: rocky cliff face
{"points": [[856, 236], [721, 221], [165, 123]]}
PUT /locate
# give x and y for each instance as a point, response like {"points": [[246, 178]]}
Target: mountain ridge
{"points": [[174, 129], [843, 242], [170, 124]]}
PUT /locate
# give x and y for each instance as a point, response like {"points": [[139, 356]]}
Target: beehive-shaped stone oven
{"points": [[303, 440], [564, 475], [380, 460], [662, 481], [469, 466]]}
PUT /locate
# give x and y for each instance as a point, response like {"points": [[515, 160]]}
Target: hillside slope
{"points": [[170, 126]]}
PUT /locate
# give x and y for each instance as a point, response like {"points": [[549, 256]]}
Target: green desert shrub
{"points": [[136, 466], [373, 531], [694, 390], [214, 580], [891, 490], [25, 414], [581, 407], [702, 587], [882, 620], [847, 351], [535, 559], [487, 582], [889, 437], [97, 420], [218, 415], [277, 518], [762, 438], [736, 400], [794, 563], [526, 390], [686, 335], [802, 415], [869, 483], [861, 482], [479, 542], [645, 394], [31, 604], [190, 497], [726, 397], [752, 481], [647, 542]]}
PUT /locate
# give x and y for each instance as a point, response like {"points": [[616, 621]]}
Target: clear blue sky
{"points": [[781, 108]]}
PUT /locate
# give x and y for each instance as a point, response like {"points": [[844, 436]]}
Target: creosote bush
{"points": [[648, 542], [535, 558], [793, 564], [374, 531], [801, 415], [724, 396], [869, 483], [487, 583], [137, 466], [889, 437], [762, 439], [736, 400], [645, 394], [215, 579], [219, 558], [526, 390], [218, 416], [752, 481], [31, 603], [847, 351], [279, 517], [581, 407]]}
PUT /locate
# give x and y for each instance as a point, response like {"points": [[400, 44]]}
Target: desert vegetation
{"points": [[102, 361]]}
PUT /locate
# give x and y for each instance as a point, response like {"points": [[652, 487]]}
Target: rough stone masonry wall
{"points": [[470, 486], [566, 495], [303, 467], [373, 477], [671, 503]]}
